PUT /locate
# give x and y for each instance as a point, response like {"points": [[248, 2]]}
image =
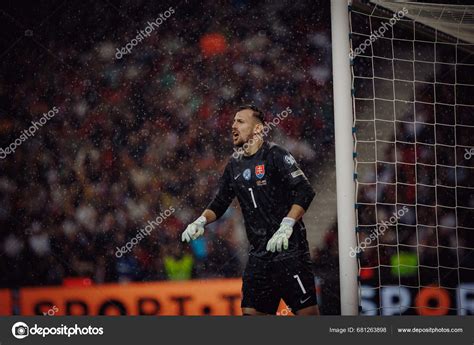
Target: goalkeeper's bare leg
{"points": [[312, 310]]}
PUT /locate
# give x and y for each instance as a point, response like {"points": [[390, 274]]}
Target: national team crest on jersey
{"points": [[260, 170]]}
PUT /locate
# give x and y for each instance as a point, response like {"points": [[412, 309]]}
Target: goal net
{"points": [[413, 103]]}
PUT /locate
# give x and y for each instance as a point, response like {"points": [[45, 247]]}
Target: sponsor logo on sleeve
{"points": [[289, 160], [297, 173]]}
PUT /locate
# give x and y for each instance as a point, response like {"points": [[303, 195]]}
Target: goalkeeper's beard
{"points": [[243, 147], [252, 141]]}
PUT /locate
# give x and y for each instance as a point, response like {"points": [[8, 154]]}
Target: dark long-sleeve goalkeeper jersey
{"points": [[266, 184]]}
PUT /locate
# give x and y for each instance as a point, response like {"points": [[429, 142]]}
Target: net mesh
{"points": [[413, 106]]}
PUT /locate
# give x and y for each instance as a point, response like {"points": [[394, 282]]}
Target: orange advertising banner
{"points": [[5, 302], [195, 297]]}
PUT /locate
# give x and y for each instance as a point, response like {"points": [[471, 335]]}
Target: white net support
{"points": [[413, 106]]}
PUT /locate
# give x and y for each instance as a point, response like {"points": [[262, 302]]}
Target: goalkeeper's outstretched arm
{"points": [[214, 211]]}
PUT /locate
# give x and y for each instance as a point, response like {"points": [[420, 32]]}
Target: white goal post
{"points": [[344, 160]]}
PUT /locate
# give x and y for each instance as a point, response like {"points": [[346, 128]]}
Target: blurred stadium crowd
{"points": [[137, 135]]}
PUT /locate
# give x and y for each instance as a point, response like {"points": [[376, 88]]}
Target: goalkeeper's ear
{"points": [[258, 130]]}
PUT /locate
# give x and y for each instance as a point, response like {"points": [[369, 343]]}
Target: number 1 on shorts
{"points": [[297, 277]]}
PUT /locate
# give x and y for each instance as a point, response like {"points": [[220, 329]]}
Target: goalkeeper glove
{"points": [[194, 230], [281, 236]]}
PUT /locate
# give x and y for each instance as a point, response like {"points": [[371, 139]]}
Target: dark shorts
{"points": [[264, 283]]}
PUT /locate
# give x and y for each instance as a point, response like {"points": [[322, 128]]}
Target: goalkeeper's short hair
{"points": [[256, 112]]}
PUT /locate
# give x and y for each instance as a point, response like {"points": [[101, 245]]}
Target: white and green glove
{"points": [[194, 230], [281, 236]]}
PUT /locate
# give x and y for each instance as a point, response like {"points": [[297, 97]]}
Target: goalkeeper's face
{"points": [[244, 127]]}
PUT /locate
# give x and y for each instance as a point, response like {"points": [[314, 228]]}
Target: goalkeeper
{"points": [[273, 194]]}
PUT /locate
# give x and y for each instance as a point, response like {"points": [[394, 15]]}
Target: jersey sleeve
{"points": [[225, 194], [290, 174]]}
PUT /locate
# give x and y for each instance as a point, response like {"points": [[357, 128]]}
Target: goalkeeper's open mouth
{"points": [[235, 136]]}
